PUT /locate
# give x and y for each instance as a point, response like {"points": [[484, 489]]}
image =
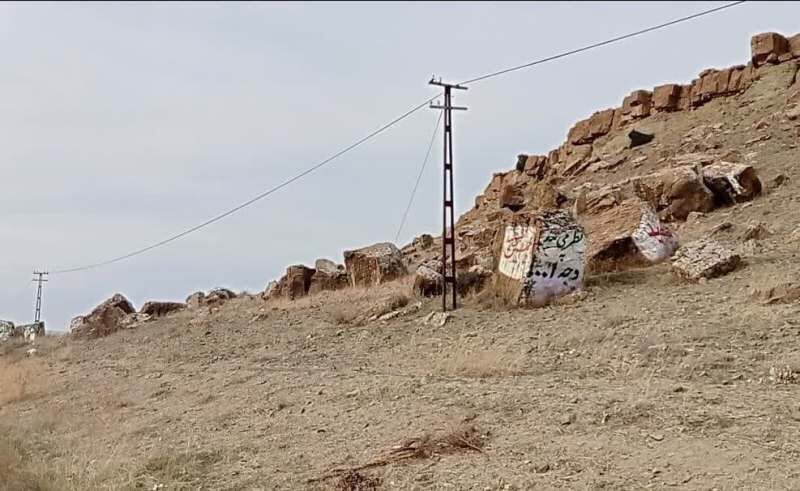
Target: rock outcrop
{"points": [[295, 283], [105, 319], [327, 276], [374, 264], [159, 309]]}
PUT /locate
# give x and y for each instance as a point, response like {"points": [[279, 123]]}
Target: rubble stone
{"points": [[704, 259]]}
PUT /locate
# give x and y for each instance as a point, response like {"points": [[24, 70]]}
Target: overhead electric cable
{"points": [[252, 200], [602, 43], [387, 126]]}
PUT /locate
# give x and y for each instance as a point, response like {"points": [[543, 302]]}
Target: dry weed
{"points": [[182, 470], [343, 315], [18, 472], [396, 301], [461, 438], [482, 364], [15, 382], [355, 481]]}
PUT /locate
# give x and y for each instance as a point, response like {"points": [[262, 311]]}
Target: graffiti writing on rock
{"points": [[654, 240], [515, 257], [558, 265]]}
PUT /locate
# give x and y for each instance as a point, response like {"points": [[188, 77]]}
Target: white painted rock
{"points": [[654, 240]]}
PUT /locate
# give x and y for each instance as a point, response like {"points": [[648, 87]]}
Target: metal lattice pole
{"points": [[448, 208], [39, 277]]}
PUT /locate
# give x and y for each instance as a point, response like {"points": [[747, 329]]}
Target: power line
{"points": [[419, 177], [253, 200], [602, 43], [381, 130]]}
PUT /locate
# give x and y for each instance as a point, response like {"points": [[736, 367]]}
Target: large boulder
{"points": [[625, 233], [428, 281], [296, 282], [675, 192], [7, 330], [539, 257], [732, 182], [768, 47], [31, 331], [195, 300], [704, 259], [105, 319], [159, 309], [328, 276], [375, 264]]}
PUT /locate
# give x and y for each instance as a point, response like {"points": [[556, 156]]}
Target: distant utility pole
{"points": [[39, 277], [448, 239]]}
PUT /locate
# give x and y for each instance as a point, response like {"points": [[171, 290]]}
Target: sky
{"points": [[124, 123]]}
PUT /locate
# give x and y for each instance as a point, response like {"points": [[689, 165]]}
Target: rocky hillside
{"points": [[683, 149]]}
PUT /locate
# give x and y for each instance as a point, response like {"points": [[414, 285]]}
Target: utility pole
{"points": [[448, 199], [39, 277]]}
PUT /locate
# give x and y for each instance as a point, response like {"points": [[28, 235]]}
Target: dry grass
{"points": [[396, 301], [341, 315], [15, 382], [482, 363], [18, 472], [182, 470]]}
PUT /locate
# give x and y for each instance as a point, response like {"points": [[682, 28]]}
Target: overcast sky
{"points": [[123, 123]]}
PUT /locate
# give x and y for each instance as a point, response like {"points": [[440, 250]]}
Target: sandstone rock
{"points": [[731, 183], [666, 98], [218, 296], [637, 104], [159, 309], [539, 256], [536, 166], [704, 259], [105, 319], [328, 276], [767, 46], [423, 242], [625, 234], [755, 231], [794, 45], [375, 264], [521, 160], [296, 282], [592, 128], [786, 292], [513, 196], [428, 282], [195, 300], [675, 192], [7, 330], [271, 290], [31, 331], [654, 240], [638, 138]]}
